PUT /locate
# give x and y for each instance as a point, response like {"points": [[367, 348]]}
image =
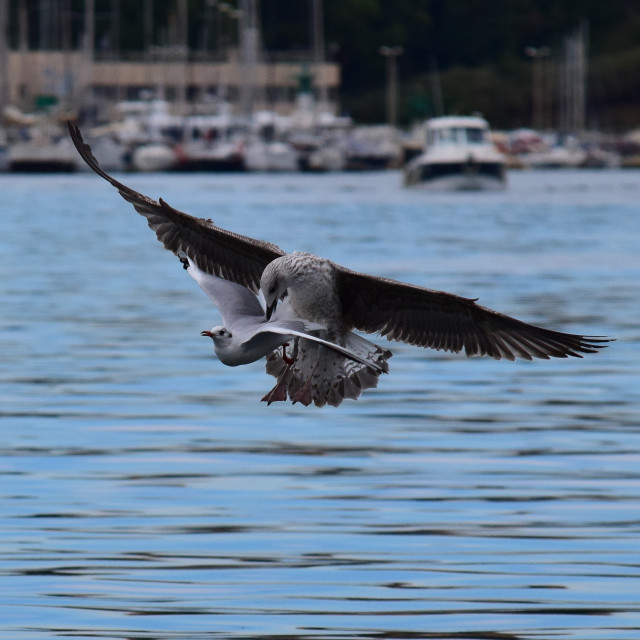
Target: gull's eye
{"points": [[273, 287]]}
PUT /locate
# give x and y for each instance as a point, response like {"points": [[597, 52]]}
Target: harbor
{"points": [[148, 137], [224, 102]]}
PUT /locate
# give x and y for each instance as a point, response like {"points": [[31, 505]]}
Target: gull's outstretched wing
{"points": [[215, 250], [440, 320]]}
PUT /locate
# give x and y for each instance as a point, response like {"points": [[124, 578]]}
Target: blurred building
{"points": [[70, 80]]}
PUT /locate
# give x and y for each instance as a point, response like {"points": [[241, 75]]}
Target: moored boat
{"points": [[42, 153], [459, 156]]}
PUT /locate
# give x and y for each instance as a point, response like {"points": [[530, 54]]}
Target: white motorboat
{"points": [[154, 156], [39, 146], [372, 147], [262, 155], [459, 156]]}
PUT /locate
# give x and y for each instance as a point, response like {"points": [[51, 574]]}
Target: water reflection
{"points": [[146, 493]]}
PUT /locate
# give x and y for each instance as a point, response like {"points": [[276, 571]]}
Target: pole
{"points": [[183, 37], [24, 95], [147, 27], [88, 43], [318, 49], [537, 56], [391, 55], [4, 55], [436, 88], [249, 45]]}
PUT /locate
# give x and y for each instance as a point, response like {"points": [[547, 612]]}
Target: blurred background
{"points": [[545, 74]]}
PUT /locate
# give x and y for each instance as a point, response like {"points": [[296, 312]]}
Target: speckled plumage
{"points": [[318, 376], [309, 282]]}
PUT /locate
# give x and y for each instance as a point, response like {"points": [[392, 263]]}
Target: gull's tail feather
{"points": [[324, 376]]}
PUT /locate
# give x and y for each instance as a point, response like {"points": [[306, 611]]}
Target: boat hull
{"points": [[154, 157], [232, 164], [38, 157], [457, 176]]}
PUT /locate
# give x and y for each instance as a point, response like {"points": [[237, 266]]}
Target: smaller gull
{"points": [[248, 336]]}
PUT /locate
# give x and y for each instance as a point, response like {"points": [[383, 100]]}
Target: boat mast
{"points": [[4, 55], [318, 50], [88, 44], [183, 47], [115, 41], [23, 30], [574, 81], [249, 44]]}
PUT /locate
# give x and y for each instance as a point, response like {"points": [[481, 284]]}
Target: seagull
{"points": [[248, 336], [321, 291]]}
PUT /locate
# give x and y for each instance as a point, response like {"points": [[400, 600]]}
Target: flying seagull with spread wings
{"points": [[342, 300]]}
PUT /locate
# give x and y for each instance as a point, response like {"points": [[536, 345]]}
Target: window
{"points": [[475, 135]]}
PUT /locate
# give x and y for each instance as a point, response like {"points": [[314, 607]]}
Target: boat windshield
{"points": [[457, 136]]}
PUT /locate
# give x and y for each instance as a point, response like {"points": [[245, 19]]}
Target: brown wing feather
{"points": [[215, 250], [440, 320]]}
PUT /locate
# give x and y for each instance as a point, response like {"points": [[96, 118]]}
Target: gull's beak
{"points": [[207, 333], [271, 308]]}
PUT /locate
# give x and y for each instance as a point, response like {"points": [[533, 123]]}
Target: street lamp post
{"points": [[391, 54], [537, 55]]}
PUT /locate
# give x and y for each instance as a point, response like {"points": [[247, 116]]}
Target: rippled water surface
{"points": [[146, 493]]}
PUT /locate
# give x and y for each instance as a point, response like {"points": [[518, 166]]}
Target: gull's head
{"points": [[274, 283], [223, 344], [221, 336]]}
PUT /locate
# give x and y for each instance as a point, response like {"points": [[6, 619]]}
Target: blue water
{"points": [[147, 493]]}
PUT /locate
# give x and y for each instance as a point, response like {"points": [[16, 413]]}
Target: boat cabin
{"points": [[457, 131]]}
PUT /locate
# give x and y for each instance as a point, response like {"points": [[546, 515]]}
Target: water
{"points": [[146, 492]]}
